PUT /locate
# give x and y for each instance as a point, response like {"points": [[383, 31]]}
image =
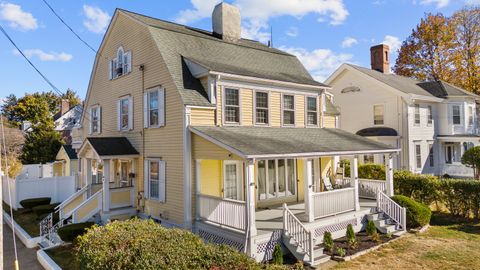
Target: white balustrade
{"points": [[226, 212], [294, 228], [333, 202], [392, 210], [368, 188]]}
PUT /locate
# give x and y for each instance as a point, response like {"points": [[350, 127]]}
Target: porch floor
{"points": [[268, 220]]}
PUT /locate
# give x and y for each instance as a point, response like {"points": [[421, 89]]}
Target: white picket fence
{"points": [[57, 188]]}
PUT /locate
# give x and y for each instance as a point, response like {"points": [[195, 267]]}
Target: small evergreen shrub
{"points": [[418, 215], [341, 252], [70, 232], [351, 239], [277, 255], [42, 210], [376, 237], [30, 203], [371, 228], [328, 241]]}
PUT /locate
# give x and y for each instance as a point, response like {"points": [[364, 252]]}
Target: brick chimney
{"points": [[64, 106], [379, 57], [226, 22]]}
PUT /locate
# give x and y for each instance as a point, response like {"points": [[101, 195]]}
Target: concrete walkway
{"points": [[27, 257]]}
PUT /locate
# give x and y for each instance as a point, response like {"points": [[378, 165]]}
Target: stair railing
{"points": [[392, 210], [294, 228]]}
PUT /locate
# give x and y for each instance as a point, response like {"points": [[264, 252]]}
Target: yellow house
{"points": [[66, 162], [220, 135]]}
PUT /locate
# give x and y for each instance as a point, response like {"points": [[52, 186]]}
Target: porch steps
{"points": [[382, 223], [294, 248]]}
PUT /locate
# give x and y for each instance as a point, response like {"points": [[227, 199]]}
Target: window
{"points": [[456, 115], [312, 111], [95, 119], [276, 178], [429, 115], [125, 113], [232, 187], [449, 153], [155, 179], [121, 64], [418, 156], [288, 110], [378, 114], [430, 154], [232, 106], [470, 116], [368, 159], [261, 108], [417, 114], [154, 108]]}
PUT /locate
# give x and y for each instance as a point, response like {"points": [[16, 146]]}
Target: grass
{"points": [[450, 243], [26, 219], [64, 257]]}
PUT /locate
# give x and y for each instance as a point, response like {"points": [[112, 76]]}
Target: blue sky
{"points": [[323, 33]]}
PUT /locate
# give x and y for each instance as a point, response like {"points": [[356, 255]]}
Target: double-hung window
{"points": [[154, 108], [312, 111], [261, 108], [232, 105], [95, 119], [418, 156], [378, 114], [155, 179], [470, 116], [417, 114], [125, 113], [429, 115], [430, 154], [288, 110], [456, 117]]}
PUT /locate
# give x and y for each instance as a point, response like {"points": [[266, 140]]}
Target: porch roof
{"points": [[110, 146], [265, 142]]}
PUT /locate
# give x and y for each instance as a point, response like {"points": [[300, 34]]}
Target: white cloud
{"points": [[393, 42], [319, 62], [292, 32], [44, 56], [472, 2], [17, 18], [439, 3], [349, 42], [96, 19], [257, 13]]}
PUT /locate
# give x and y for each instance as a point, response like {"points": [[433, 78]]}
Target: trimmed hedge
{"points": [[422, 188], [30, 203], [461, 197], [418, 215], [43, 210], [366, 171], [70, 232]]}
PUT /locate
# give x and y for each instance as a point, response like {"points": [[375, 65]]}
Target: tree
{"points": [[471, 158], [72, 97], [8, 111], [41, 144], [427, 54], [34, 108]]}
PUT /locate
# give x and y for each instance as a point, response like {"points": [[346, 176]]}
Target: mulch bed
{"points": [[364, 242]]}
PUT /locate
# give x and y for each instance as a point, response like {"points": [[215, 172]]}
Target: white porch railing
{"points": [[88, 208], [393, 210], [367, 188], [122, 197], [74, 200], [222, 211], [333, 202], [294, 228]]}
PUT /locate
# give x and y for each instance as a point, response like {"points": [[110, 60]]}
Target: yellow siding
{"points": [[300, 179], [220, 105], [203, 149], [204, 82], [58, 169], [330, 121], [275, 109], [211, 177], [87, 208], [73, 204], [299, 110], [247, 106], [325, 165], [202, 117], [120, 197]]}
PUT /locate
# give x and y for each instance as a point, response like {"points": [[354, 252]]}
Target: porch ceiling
{"points": [[264, 142]]}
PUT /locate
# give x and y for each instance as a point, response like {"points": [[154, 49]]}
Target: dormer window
{"points": [[121, 64]]}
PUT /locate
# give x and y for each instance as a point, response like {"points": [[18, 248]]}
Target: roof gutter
{"points": [[324, 154]]}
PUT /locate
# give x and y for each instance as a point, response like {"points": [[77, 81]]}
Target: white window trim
{"points": [[306, 111], [431, 146], [460, 114], [240, 186], [415, 144], [269, 112], [147, 165], [471, 114], [282, 109], [415, 115], [224, 89], [383, 116], [276, 180], [429, 115], [130, 113], [146, 111], [126, 56], [99, 129]]}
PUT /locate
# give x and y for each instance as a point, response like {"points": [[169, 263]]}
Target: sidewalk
{"points": [[27, 257]]}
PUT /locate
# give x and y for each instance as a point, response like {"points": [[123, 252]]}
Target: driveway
{"points": [[27, 257]]}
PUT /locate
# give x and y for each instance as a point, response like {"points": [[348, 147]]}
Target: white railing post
{"points": [[107, 174], [354, 177], [312, 259], [308, 184], [198, 188], [389, 174]]}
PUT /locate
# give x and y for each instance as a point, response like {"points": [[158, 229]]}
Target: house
{"points": [[433, 123], [66, 162], [216, 134], [66, 119]]}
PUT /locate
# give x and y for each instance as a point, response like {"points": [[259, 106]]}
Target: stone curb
{"points": [[27, 240], [46, 261]]}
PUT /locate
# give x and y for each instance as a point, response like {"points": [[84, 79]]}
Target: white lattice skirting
{"points": [[220, 237], [265, 247]]}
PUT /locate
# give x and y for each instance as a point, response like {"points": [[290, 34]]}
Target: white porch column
{"points": [[198, 188], [308, 192], [354, 180], [107, 173], [389, 174], [250, 203], [88, 171]]}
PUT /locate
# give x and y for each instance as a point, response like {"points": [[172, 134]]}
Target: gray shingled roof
{"points": [[244, 57], [268, 141], [112, 146], [443, 89], [70, 151]]}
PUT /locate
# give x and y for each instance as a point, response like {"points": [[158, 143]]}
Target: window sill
{"points": [[121, 76]]}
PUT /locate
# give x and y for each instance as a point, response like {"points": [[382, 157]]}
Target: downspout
{"points": [[323, 108], [141, 194]]}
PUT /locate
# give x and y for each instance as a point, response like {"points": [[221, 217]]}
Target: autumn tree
{"points": [[72, 97], [471, 158]]}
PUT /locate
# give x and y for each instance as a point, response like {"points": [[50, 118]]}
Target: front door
{"points": [[449, 153], [232, 186], [124, 181]]}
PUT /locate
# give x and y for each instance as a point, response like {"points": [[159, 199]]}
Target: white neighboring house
{"points": [[433, 123]]}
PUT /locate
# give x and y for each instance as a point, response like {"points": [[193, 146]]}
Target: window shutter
{"points": [[100, 119], [145, 110], [119, 115], [91, 123], [161, 184], [146, 172], [161, 107], [128, 61], [110, 69], [130, 113]]}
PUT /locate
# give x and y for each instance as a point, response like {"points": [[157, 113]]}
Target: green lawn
{"points": [[26, 219], [450, 243], [64, 257]]}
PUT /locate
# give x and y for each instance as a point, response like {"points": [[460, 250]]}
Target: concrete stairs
{"points": [[294, 247], [382, 223]]}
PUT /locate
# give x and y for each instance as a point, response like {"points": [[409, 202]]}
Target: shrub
{"points": [[144, 244], [389, 235], [70, 232], [30, 203], [461, 197], [42, 210], [371, 228], [371, 171], [376, 237], [328, 241], [277, 255], [341, 252], [420, 187], [351, 239], [418, 215]]}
